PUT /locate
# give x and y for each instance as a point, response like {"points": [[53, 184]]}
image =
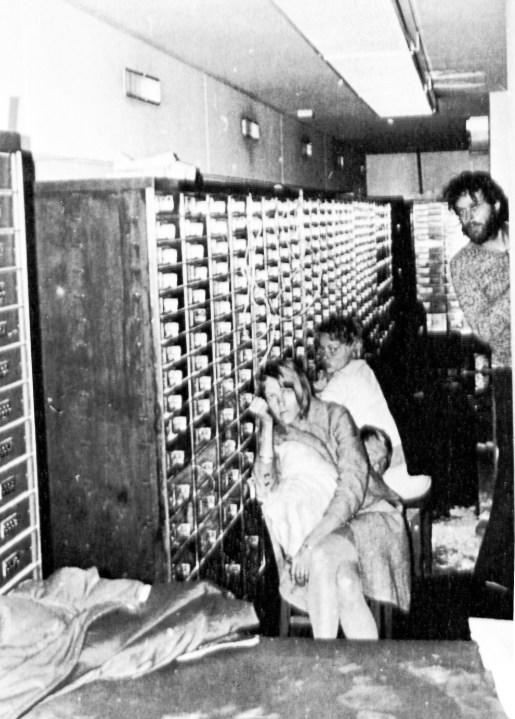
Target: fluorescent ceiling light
{"points": [[364, 41]]}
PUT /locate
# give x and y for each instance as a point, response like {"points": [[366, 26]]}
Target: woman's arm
{"points": [[398, 457], [264, 470], [310, 440], [352, 466]]}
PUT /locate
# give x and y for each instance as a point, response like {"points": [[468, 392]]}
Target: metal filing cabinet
{"points": [[20, 553], [437, 237], [158, 304]]}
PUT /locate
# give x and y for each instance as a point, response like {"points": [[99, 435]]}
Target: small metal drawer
{"points": [[15, 560], [12, 444], [9, 327], [8, 288], [5, 171], [11, 404], [13, 482], [7, 250], [6, 211], [14, 521], [10, 366]]}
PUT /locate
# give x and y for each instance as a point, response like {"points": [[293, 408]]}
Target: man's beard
{"points": [[479, 232]]}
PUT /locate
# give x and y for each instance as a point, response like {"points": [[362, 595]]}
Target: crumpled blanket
{"points": [[75, 627]]}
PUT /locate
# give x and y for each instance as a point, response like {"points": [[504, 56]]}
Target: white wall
{"points": [[64, 94], [500, 138], [392, 174], [397, 174], [72, 106], [439, 167], [11, 76]]}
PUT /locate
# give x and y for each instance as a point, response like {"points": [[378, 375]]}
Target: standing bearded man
{"points": [[481, 276]]}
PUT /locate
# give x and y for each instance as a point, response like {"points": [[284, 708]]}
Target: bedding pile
{"points": [[76, 627]]}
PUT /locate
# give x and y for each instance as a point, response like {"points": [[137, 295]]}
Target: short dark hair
{"points": [[368, 430], [343, 329], [469, 182], [274, 369]]}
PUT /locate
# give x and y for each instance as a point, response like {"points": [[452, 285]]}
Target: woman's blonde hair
{"points": [[301, 386]]}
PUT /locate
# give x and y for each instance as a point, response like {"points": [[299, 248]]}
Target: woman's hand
{"points": [[300, 565], [259, 408], [321, 381]]}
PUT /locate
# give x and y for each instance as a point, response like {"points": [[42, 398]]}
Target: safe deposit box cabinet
{"points": [[158, 305], [20, 553]]}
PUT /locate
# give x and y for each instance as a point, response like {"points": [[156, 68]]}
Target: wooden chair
{"points": [[418, 522], [293, 621]]}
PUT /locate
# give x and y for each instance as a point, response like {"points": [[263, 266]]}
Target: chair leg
{"points": [[426, 539], [383, 615], [284, 618], [419, 523], [414, 525], [387, 623]]}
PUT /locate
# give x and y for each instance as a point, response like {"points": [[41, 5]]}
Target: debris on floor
{"points": [[456, 539]]}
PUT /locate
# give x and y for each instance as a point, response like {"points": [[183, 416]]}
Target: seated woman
{"points": [[358, 546], [349, 381]]}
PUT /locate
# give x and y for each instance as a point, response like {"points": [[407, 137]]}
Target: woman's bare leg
{"points": [[335, 592], [322, 595], [355, 616]]}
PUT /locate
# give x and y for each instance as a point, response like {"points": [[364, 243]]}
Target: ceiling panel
{"points": [[250, 45]]}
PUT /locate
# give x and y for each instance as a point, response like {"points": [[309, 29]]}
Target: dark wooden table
{"points": [[290, 678]]}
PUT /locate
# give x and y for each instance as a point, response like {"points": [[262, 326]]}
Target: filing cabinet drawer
{"points": [[6, 211], [11, 404], [20, 550], [10, 366], [15, 560], [7, 250], [14, 521], [8, 288], [13, 482], [5, 171], [12, 444], [9, 327]]}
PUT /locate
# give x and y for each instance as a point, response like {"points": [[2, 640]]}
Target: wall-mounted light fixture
{"points": [[305, 114], [142, 87], [374, 45], [306, 147], [339, 161], [250, 128]]}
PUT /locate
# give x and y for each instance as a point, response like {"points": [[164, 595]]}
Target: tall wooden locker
{"points": [[98, 355], [20, 546], [158, 304]]}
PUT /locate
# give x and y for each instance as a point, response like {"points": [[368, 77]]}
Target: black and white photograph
{"points": [[256, 400]]}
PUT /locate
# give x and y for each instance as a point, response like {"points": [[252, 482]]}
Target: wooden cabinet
{"points": [[158, 304], [102, 412]]}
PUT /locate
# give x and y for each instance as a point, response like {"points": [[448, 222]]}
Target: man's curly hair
{"points": [[468, 183]]}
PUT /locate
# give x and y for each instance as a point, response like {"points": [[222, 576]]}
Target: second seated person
{"points": [[348, 380], [350, 540]]}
